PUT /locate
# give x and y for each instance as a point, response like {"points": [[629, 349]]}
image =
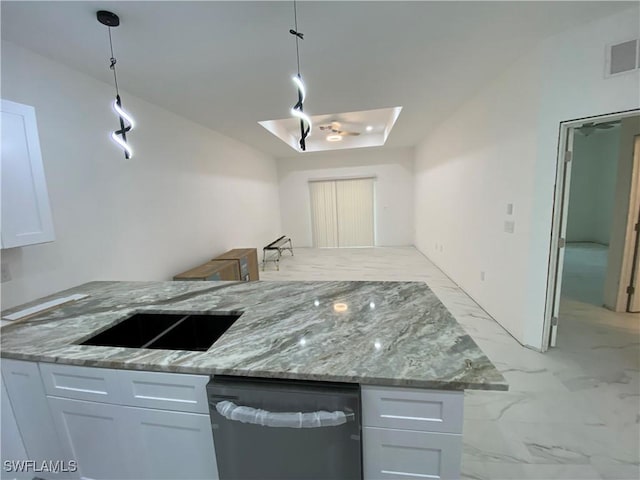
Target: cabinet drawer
{"points": [[82, 383], [401, 454], [412, 409], [166, 391]]}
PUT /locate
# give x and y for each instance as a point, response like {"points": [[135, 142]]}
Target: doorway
{"points": [[596, 212], [342, 212]]}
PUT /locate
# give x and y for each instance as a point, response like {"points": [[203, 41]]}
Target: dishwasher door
{"points": [[262, 442]]}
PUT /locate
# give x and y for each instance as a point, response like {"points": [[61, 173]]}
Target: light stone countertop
{"points": [[392, 333]]}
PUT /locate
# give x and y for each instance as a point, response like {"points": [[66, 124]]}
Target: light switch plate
{"points": [[509, 226], [6, 273], [509, 208]]}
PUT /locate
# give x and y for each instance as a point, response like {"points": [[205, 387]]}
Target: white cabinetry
{"points": [[26, 214], [11, 441], [92, 434], [122, 424], [81, 383], [171, 445], [166, 391], [29, 404], [98, 417], [411, 433]]}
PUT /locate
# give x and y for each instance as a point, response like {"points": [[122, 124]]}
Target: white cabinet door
{"points": [[12, 447], [31, 411], [26, 214], [171, 445], [403, 454], [95, 436]]}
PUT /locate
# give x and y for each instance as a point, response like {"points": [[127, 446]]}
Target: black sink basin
{"points": [[135, 331], [181, 331], [196, 332]]}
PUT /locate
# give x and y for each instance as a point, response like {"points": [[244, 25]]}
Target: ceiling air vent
{"points": [[623, 57]]}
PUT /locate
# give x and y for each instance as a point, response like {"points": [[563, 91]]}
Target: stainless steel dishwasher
{"points": [[281, 429]]}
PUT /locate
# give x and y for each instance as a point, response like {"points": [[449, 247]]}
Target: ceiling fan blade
{"points": [[349, 134]]}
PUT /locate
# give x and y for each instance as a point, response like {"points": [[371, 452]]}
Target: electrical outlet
{"points": [[509, 226], [6, 273], [509, 208]]}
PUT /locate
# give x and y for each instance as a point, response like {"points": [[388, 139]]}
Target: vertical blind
{"points": [[342, 213], [324, 214]]}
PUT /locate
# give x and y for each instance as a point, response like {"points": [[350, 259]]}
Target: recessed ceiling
{"points": [[228, 65], [337, 131]]}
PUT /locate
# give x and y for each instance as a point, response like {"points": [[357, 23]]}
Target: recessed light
{"points": [[334, 138], [369, 128], [340, 307]]}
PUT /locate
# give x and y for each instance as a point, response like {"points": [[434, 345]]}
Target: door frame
{"points": [[554, 271]]}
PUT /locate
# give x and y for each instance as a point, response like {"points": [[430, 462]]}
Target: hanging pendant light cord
{"points": [[297, 35], [298, 108], [113, 61]]}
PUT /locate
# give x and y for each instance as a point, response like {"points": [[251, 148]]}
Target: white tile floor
{"points": [[571, 413], [585, 268]]}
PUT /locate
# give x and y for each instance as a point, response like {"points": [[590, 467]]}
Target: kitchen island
{"points": [[384, 336]]}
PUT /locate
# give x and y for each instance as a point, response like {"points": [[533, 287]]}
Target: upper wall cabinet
{"points": [[26, 214]]}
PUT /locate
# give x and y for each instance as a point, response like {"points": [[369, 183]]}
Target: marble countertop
{"points": [[391, 333]]}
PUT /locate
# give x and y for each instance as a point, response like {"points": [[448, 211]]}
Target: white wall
{"points": [[592, 186], [188, 194], [501, 147], [393, 169]]}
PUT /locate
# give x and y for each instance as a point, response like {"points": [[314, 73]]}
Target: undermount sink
{"points": [[175, 331]]}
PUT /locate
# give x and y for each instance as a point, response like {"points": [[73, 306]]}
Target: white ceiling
{"points": [[228, 65]]}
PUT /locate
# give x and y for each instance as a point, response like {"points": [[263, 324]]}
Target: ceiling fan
{"points": [[334, 129], [588, 128]]}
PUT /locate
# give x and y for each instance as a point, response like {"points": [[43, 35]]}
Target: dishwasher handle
{"points": [[255, 416]]}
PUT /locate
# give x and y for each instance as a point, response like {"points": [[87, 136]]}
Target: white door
{"points": [[564, 198], [342, 213], [634, 296], [324, 214], [94, 434], [170, 445], [633, 302], [26, 214]]}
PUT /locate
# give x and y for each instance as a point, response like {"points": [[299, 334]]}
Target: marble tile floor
{"points": [[584, 272], [571, 413]]}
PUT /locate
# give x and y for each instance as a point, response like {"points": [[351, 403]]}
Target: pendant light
{"points": [[126, 121], [298, 109]]}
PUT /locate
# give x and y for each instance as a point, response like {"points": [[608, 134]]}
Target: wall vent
{"points": [[623, 57]]}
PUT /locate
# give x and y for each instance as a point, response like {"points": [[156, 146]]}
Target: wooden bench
{"points": [[273, 251]]}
